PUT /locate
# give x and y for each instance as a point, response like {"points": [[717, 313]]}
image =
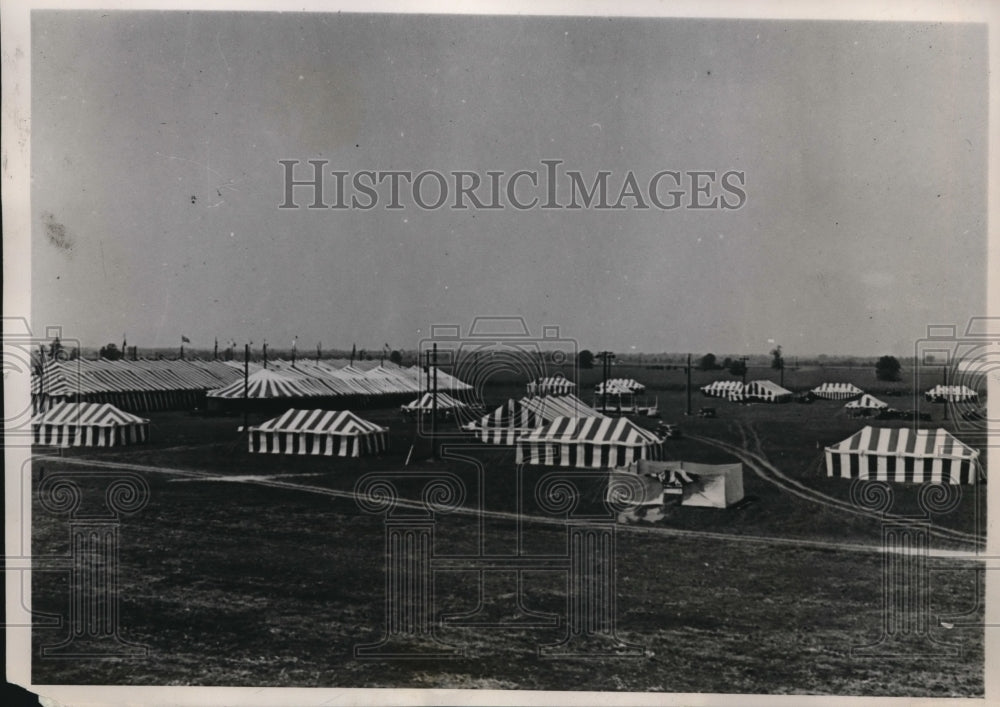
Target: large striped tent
{"points": [[88, 425], [837, 391], [767, 391], [731, 390], [517, 417], [331, 433], [267, 383], [903, 455], [619, 386], [951, 393], [588, 442], [866, 402], [551, 385]]}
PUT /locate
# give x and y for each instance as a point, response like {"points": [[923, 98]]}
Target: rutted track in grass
{"points": [[273, 482], [767, 471]]}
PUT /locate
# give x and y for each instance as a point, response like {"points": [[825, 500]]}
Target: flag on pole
{"points": [[185, 340]]}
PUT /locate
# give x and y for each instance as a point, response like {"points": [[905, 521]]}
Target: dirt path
{"points": [[761, 466], [276, 482]]}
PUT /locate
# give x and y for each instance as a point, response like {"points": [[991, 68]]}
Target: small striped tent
{"points": [[588, 442], [620, 386], [903, 455], [951, 393], [766, 391], [88, 425], [731, 390], [866, 402], [837, 391], [425, 404], [331, 433], [553, 385]]}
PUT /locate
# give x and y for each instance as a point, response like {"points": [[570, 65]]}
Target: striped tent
{"points": [[552, 385], [267, 383], [425, 404], [549, 407], [620, 386], [88, 425], [505, 424], [904, 455], [331, 433], [766, 391], [588, 442], [866, 402], [731, 390], [517, 417], [837, 391], [951, 393]]}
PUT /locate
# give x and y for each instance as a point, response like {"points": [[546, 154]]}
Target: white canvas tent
{"points": [[766, 391], [704, 485], [903, 455]]}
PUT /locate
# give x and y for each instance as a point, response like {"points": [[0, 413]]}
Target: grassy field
{"points": [[233, 583]]}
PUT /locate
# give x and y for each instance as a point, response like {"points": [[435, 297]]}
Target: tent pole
{"points": [[246, 387], [689, 386]]}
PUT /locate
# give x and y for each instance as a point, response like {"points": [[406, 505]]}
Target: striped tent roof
{"points": [[87, 414], [867, 402], [551, 407], [952, 392], [723, 387], [620, 386], [837, 391], [550, 384], [426, 402], [84, 377], [267, 383], [340, 422], [765, 388], [594, 430], [906, 442]]}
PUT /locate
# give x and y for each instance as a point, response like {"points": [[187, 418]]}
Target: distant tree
{"points": [[74, 354], [111, 352], [56, 350], [738, 368], [707, 362], [727, 363], [777, 360], [585, 358], [887, 368], [396, 357]]}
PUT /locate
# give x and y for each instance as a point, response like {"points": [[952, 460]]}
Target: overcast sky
{"points": [[156, 183]]}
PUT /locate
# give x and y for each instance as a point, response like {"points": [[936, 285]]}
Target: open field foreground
{"points": [[262, 570]]}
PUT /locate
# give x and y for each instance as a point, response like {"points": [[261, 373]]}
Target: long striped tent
{"points": [[866, 402], [731, 390], [331, 433], [267, 383], [588, 442], [88, 425], [951, 393], [767, 391], [620, 386], [551, 385], [903, 455], [837, 391], [425, 404]]}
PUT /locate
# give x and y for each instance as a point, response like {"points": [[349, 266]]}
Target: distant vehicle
{"points": [[807, 398], [974, 414], [706, 412]]}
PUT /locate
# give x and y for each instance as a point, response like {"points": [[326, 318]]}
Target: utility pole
{"points": [[246, 387], [688, 413], [744, 359], [947, 393]]}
